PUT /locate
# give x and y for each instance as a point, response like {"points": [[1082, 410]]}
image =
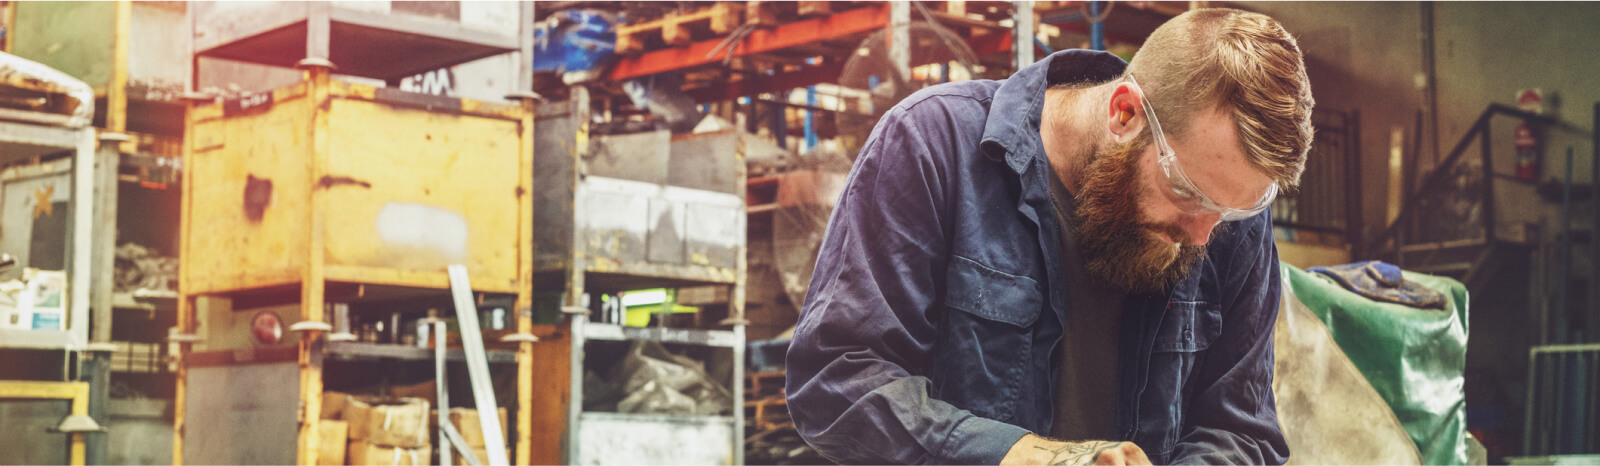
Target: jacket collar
{"points": [[1012, 129]]}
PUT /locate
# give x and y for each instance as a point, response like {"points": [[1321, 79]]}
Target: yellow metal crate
{"points": [[370, 185]]}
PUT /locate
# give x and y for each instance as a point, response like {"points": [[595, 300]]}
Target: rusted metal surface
{"points": [[706, 161], [633, 226], [245, 414], [369, 190], [59, 93]]}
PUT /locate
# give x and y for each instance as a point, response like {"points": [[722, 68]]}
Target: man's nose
{"points": [[1199, 227]]}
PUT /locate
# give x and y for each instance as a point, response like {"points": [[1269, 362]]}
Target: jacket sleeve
{"points": [[856, 382], [1233, 416]]}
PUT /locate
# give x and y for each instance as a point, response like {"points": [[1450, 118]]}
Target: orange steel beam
{"points": [[762, 40]]}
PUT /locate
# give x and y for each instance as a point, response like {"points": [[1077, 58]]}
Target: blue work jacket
{"points": [[930, 332]]}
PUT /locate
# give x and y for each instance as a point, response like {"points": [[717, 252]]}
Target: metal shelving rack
{"points": [[340, 151], [29, 134], [635, 211]]}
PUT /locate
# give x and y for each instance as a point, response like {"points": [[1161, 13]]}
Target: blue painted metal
{"points": [[1097, 29], [575, 40], [872, 83], [811, 131], [1046, 47]]}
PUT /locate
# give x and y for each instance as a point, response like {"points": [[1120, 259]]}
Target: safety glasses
{"points": [[1179, 188]]}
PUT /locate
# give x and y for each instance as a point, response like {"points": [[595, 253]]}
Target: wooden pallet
{"points": [[771, 13], [764, 408], [762, 384], [680, 28]]}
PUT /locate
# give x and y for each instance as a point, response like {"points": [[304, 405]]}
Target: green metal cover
{"points": [[74, 37], [1415, 358]]}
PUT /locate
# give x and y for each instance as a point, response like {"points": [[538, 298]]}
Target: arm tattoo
{"points": [[1077, 454]]}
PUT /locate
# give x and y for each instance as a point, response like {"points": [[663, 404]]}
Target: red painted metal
{"points": [[762, 40], [824, 73]]}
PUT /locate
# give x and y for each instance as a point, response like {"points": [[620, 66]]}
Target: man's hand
{"points": [[1033, 449]]}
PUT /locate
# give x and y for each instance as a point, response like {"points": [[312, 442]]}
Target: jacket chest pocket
{"points": [[986, 340], [1187, 330]]}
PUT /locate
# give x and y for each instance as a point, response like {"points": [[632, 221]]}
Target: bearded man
{"points": [[1070, 266]]}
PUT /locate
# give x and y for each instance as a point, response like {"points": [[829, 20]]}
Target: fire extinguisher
{"points": [[1528, 151], [1528, 138]]}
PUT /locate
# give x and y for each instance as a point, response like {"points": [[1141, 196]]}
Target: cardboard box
{"points": [[364, 453], [481, 452], [392, 422], [42, 305], [466, 422], [333, 404], [332, 435]]}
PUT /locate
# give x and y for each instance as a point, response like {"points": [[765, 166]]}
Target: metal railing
{"points": [[1328, 202], [1451, 179], [1563, 410]]}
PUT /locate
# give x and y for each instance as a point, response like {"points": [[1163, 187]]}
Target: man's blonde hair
{"points": [[1247, 63]]}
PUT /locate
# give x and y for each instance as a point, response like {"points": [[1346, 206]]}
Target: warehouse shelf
{"points": [[661, 418], [614, 332], [372, 192], [39, 339], [620, 212], [378, 351]]}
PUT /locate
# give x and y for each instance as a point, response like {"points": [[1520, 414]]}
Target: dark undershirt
{"points": [[1086, 384]]}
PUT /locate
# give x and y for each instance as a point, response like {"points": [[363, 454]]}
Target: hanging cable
{"points": [[947, 37]]}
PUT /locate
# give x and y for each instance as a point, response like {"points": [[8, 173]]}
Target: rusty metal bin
{"points": [[618, 212], [332, 192], [354, 184]]}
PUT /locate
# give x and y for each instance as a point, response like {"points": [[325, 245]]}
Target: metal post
{"points": [[525, 43], [313, 291], [319, 31], [575, 306], [1022, 33], [80, 269], [440, 352], [811, 131], [98, 362], [1355, 229], [1487, 150], [900, 40], [738, 393], [1527, 407], [1097, 29], [1566, 251]]}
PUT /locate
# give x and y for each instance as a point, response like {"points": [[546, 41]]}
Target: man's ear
{"points": [[1125, 110]]}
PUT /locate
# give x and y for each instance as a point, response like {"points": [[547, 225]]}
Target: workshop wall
{"points": [[1371, 57]]}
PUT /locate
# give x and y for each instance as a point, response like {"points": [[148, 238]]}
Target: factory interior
{"points": [[276, 232]]}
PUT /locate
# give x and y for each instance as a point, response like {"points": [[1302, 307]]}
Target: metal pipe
{"points": [[811, 130], [1489, 217], [1565, 248], [1431, 76], [1528, 407], [1097, 29], [1022, 34], [440, 352]]}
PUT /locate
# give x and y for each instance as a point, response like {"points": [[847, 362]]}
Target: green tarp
{"points": [[1415, 358]]}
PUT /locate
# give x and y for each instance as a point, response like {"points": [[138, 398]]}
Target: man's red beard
{"points": [[1118, 243]]}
